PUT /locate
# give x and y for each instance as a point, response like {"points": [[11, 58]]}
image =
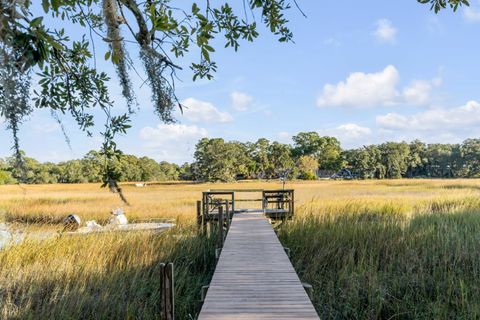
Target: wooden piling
{"points": [[199, 213], [167, 293], [220, 228], [227, 214]]}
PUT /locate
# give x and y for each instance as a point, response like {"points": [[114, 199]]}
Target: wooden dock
{"points": [[254, 278]]}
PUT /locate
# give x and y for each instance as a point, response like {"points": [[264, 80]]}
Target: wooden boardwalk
{"points": [[254, 278]]}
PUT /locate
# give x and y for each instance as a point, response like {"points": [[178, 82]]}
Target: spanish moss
{"points": [[163, 96], [119, 56], [14, 99]]}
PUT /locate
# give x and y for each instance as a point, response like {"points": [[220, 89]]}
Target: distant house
{"points": [[342, 174], [325, 174]]}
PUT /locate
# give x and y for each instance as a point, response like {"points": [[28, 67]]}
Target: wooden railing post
{"points": [[199, 213], [167, 292], [228, 215], [292, 206], [264, 204], [220, 228], [206, 214]]}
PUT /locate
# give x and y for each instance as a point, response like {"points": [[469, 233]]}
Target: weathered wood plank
{"points": [[254, 278]]}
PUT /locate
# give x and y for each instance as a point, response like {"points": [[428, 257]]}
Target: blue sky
{"points": [[363, 71]]}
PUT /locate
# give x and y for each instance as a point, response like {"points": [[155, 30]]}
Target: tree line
{"points": [[89, 169], [309, 156]]}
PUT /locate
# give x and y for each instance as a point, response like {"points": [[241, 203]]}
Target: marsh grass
{"points": [[49, 204], [399, 249], [103, 276], [372, 260]]}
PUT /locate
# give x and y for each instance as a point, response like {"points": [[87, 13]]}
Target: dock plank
{"points": [[254, 278]]}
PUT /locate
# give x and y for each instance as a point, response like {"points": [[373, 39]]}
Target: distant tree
{"points": [[326, 150], [92, 164], [5, 174], [186, 172], [394, 157], [260, 157], [365, 162], [442, 160], [72, 172], [149, 169], [169, 171], [280, 160], [417, 158], [6, 177], [307, 144], [242, 158], [307, 167], [213, 161], [470, 163], [330, 155]]}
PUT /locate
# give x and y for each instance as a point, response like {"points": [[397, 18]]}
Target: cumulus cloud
{"points": [[353, 131], [460, 118], [376, 89], [241, 101], [202, 111], [362, 89], [349, 134], [418, 92], [471, 14], [385, 31], [171, 142]]}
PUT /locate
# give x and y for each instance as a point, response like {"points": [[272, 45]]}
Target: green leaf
{"points": [[107, 55], [36, 22], [205, 54], [45, 5], [56, 4], [195, 9]]}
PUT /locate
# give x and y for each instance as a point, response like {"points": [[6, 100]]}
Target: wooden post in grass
{"points": [[228, 215], [292, 205], [220, 228], [206, 214], [167, 292], [199, 214]]}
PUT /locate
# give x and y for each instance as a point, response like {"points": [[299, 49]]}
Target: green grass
{"points": [[382, 262]]}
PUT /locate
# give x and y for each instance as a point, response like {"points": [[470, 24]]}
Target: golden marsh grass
{"points": [[397, 249]]}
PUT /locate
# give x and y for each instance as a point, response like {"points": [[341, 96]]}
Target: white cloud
{"points": [[349, 134], [241, 101], [353, 131], [471, 14], [202, 111], [466, 117], [418, 92], [376, 89], [362, 89], [385, 31], [171, 142]]}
